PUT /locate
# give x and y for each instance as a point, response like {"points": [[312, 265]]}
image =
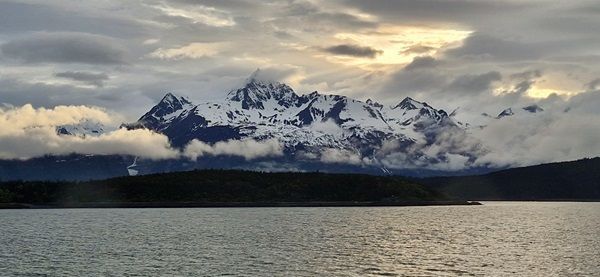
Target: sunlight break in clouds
{"points": [[399, 44], [200, 14], [192, 50]]}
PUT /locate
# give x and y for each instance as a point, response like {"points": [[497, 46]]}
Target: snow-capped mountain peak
{"points": [[409, 104], [262, 110], [255, 93], [82, 129], [162, 114], [533, 108], [506, 112], [171, 103]]}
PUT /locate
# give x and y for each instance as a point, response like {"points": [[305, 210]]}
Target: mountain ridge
{"points": [[314, 131], [262, 110], [570, 180]]}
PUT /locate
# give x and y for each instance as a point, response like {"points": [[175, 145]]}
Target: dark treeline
{"points": [[575, 180], [221, 186]]}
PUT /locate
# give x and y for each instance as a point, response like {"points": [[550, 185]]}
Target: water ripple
{"points": [[497, 239]]}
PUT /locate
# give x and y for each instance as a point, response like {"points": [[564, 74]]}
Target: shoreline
{"points": [[233, 204]]}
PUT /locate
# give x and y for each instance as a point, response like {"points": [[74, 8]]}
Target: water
{"points": [[497, 239]]}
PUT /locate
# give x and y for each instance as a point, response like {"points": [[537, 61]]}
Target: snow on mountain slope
{"points": [[507, 114], [82, 129], [306, 125], [528, 110]]}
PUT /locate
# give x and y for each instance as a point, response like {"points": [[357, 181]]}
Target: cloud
{"points": [[327, 127], [193, 50], [20, 18], [272, 74], [200, 14], [566, 130], [521, 141], [417, 49], [248, 149], [131, 100], [419, 78], [315, 17], [90, 78], [342, 156], [527, 75], [475, 82], [353, 50], [422, 62], [485, 47], [65, 48], [453, 14], [447, 148], [29, 132]]}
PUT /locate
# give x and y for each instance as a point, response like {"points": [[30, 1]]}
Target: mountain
{"points": [[303, 132], [82, 129], [309, 127], [222, 186], [67, 167], [486, 119], [574, 180], [531, 109]]}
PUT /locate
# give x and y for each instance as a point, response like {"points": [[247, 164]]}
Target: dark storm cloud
{"points": [[475, 82], [313, 13], [482, 46], [424, 82], [342, 20], [244, 5], [422, 62], [522, 87], [353, 50], [531, 74], [18, 92], [90, 78], [16, 18], [429, 11], [65, 48]]}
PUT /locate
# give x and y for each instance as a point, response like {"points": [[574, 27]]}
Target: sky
{"points": [[466, 56]]}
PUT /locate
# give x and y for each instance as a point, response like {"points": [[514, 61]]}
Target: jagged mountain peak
{"points": [[83, 128], [506, 112], [409, 104], [174, 100], [256, 92], [533, 108], [265, 110], [374, 103], [158, 118], [412, 111]]}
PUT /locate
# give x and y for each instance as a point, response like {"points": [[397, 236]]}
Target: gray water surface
{"points": [[496, 239]]}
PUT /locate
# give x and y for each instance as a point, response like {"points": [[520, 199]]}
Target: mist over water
{"points": [[498, 238]]}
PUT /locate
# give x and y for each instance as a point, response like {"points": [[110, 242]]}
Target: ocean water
{"points": [[496, 239]]}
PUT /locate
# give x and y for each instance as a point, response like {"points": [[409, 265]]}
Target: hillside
{"points": [[207, 186], [574, 180]]}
